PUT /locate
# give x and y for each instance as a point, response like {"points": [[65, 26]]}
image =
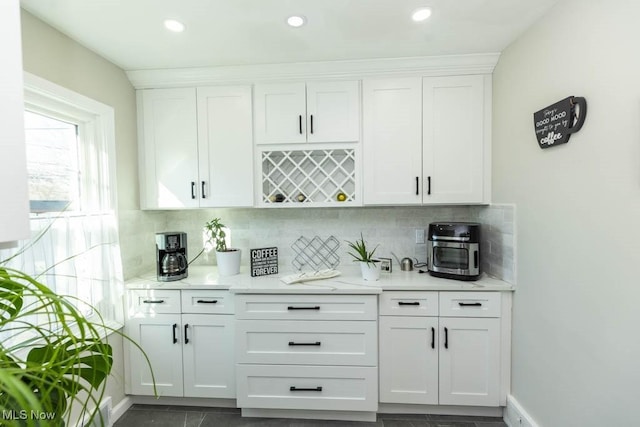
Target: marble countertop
{"points": [[348, 282]]}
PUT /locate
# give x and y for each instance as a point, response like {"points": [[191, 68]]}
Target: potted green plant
{"points": [[369, 266], [228, 259], [51, 356]]}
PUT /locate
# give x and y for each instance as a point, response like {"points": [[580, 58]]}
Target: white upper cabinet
{"points": [[453, 139], [14, 215], [333, 112], [426, 140], [392, 141], [195, 147], [312, 112], [225, 146], [167, 129]]}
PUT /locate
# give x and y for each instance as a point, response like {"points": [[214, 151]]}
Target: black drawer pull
{"points": [[202, 301], [175, 339], [150, 301], [408, 303], [315, 307], [433, 337], [186, 337], [293, 388], [470, 304], [304, 343]]}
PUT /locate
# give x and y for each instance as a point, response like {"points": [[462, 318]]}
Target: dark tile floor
{"points": [[195, 416]]}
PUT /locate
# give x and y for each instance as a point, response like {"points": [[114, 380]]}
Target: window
{"points": [[74, 248]]}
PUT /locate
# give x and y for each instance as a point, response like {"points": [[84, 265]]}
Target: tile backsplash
{"points": [[393, 229]]}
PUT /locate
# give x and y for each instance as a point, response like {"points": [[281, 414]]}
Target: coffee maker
{"points": [[171, 256]]}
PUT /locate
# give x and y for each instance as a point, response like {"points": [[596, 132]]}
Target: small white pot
{"points": [[228, 262], [370, 270]]}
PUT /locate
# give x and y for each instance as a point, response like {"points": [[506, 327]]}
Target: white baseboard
{"points": [[119, 410], [516, 416]]}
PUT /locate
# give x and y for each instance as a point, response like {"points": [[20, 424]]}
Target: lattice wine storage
{"points": [[310, 177]]}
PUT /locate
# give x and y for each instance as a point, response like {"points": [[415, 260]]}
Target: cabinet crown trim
{"points": [[259, 73]]}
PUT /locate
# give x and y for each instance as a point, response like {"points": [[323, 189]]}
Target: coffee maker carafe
{"points": [[171, 256]]}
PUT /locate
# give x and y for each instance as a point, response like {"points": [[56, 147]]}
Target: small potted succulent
{"points": [[369, 266], [228, 259]]}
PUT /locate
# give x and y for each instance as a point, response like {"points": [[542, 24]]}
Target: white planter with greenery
{"points": [[228, 259], [370, 270], [228, 262], [369, 267]]}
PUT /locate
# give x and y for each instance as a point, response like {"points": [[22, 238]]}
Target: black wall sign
{"points": [[555, 124], [264, 261]]}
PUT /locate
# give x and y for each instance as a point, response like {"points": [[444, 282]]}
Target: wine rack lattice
{"points": [[308, 176]]}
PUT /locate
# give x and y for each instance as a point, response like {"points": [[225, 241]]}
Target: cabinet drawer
{"points": [[207, 302], [347, 388], [306, 307], [154, 301], [469, 304], [307, 342], [408, 303]]}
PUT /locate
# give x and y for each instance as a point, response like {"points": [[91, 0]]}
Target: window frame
{"points": [[96, 131]]}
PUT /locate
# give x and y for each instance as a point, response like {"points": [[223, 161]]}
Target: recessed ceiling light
{"points": [[173, 25], [421, 14], [296, 21]]}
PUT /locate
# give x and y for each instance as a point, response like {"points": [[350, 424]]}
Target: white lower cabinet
{"points": [[409, 360], [191, 353], [450, 353], [307, 352], [469, 361]]}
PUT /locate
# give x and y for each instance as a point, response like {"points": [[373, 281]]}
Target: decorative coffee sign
{"points": [[555, 124], [264, 261]]}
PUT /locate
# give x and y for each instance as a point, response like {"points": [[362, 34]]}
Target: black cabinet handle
{"points": [[204, 196], [293, 388], [446, 338], [408, 303], [300, 123], [186, 338], [175, 339], [417, 186], [150, 301], [470, 304], [315, 307], [193, 189], [312, 123], [202, 301], [429, 185], [292, 343], [433, 337]]}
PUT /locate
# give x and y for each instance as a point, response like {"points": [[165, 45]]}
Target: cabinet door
{"points": [[225, 146], [209, 369], [14, 215], [408, 362], [453, 138], [280, 113], [156, 337], [392, 141], [333, 112], [168, 148], [469, 361]]}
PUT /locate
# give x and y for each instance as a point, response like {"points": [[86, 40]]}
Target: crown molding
{"points": [[361, 68]]}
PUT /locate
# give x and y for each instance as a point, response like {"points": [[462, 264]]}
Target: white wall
{"points": [[576, 331]]}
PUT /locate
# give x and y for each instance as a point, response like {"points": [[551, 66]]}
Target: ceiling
{"points": [[130, 33]]}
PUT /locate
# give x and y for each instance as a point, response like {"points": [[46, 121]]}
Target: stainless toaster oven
{"points": [[453, 250]]}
